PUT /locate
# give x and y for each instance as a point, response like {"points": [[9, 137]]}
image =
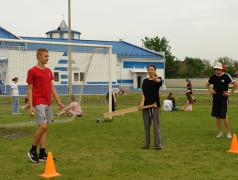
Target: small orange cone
{"points": [[234, 145], [50, 167]]}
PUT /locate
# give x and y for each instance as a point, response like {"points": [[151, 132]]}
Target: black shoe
{"points": [[145, 147], [33, 156], [44, 157], [158, 148]]}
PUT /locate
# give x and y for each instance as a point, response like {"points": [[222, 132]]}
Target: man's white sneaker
{"points": [[220, 135], [229, 135]]}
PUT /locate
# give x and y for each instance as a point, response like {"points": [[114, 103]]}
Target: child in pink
{"points": [[71, 109]]}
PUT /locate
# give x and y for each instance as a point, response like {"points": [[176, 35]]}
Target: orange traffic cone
{"points": [[50, 167], [234, 145]]}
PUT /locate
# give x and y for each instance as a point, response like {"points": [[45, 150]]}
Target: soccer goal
{"points": [[85, 73]]}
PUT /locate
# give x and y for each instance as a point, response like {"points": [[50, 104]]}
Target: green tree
{"points": [[231, 65], [162, 45], [208, 71], [194, 67], [225, 61], [206, 63]]}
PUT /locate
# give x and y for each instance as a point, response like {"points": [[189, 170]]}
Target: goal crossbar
{"points": [[54, 43]]}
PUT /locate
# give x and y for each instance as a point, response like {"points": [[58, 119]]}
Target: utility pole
{"points": [[69, 51]]}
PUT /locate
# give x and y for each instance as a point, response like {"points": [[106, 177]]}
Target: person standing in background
{"points": [[15, 96], [189, 89], [221, 81]]}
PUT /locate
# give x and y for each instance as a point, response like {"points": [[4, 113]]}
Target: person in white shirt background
{"points": [[15, 96], [167, 105]]}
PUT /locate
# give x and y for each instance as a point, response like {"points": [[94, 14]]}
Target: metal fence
{"points": [[198, 83]]}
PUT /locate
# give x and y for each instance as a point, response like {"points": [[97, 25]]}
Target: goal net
{"points": [[84, 73]]}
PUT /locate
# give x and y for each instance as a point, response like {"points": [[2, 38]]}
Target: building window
{"points": [[61, 35], [76, 76], [51, 36], [82, 76], [56, 76]]}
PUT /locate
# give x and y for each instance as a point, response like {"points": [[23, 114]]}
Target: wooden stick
{"points": [[129, 110]]}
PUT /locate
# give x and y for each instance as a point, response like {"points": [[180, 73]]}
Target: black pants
{"points": [[113, 105]]}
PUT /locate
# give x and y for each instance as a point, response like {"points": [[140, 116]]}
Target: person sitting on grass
{"points": [[174, 108], [27, 105], [71, 109], [167, 104], [188, 106]]}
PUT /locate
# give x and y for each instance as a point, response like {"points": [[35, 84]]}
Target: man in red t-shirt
{"points": [[40, 88]]}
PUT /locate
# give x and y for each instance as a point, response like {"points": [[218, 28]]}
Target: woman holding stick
{"points": [[150, 96]]}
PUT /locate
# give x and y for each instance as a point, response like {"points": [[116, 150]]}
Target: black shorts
{"points": [[219, 108]]}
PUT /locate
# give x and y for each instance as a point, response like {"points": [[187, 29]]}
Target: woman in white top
{"points": [[15, 96], [188, 106]]}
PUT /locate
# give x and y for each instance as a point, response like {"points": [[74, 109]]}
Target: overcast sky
{"points": [[195, 28]]}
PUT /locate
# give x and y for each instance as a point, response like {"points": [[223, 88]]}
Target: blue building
{"points": [[129, 67]]}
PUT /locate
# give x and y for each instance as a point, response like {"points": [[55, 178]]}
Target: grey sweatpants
{"points": [[148, 115]]}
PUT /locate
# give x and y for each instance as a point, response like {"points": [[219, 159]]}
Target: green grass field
{"points": [[85, 149]]}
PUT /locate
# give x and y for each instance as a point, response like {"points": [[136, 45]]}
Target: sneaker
{"points": [[33, 156], [44, 157], [145, 147], [158, 148], [229, 135], [220, 135]]}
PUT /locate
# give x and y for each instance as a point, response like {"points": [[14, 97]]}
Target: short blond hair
{"points": [[40, 51]]}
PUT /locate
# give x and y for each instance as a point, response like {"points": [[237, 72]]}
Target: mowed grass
{"points": [[85, 149]]}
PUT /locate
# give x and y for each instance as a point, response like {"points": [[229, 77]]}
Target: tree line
{"points": [[190, 67]]}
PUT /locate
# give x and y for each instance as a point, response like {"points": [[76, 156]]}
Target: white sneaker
{"points": [[229, 135], [220, 135]]}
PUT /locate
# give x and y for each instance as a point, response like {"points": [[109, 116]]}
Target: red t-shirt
{"points": [[41, 80]]}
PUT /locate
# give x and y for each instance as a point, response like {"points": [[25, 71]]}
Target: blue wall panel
{"points": [[141, 65], [63, 76], [63, 89], [61, 68], [129, 81], [62, 61]]}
